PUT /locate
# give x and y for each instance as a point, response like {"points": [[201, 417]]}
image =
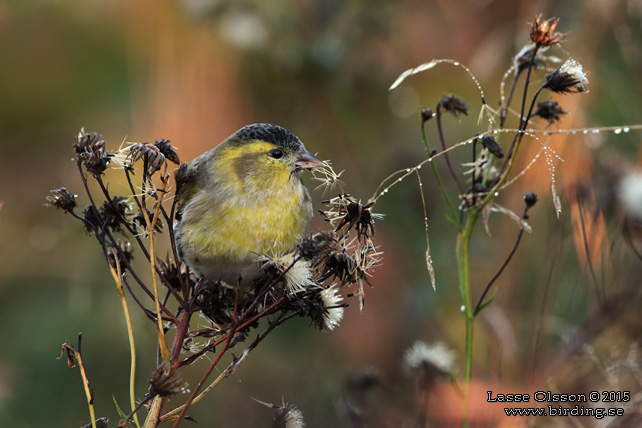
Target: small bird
{"points": [[241, 200]]}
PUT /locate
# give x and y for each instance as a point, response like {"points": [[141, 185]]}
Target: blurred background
{"points": [[193, 71]]}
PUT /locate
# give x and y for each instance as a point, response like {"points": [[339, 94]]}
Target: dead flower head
{"points": [[167, 150], [90, 150], [490, 144], [543, 32], [151, 155], [112, 214], [454, 105], [62, 199], [166, 382], [345, 211], [428, 363], [333, 311], [549, 110], [120, 255], [295, 270], [287, 415], [524, 58], [569, 78]]}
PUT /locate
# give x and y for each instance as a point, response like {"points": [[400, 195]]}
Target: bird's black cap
{"points": [[266, 132]]}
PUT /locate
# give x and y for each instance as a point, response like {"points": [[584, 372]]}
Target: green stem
{"points": [[463, 265]]}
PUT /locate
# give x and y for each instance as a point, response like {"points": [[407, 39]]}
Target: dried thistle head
{"points": [[287, 415], [346, 213], [88, 143], [454, 105], [171, 272], [62, 199], [166, 382], [569, 78], [120, 255], [343, 267], [428, 363], [524, 58], [332, 308], [549, 110], [139, 218], [114, 213], [361, 382], [316, 246], [151, 155], [90, 150], [543, 32], [167, 150], [490, 144], [295, 271]]}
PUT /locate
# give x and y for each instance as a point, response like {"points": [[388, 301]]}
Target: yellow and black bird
{"points": [[244, 199]]}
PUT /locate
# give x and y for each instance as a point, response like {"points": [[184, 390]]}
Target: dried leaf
{"points": [[516, 218], [410, 72]]}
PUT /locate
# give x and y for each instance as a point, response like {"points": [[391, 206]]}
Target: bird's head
{"points": [[265, 155]]}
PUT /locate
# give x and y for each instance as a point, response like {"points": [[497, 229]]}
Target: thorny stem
{"points": [[440, 184], [443, 146]]}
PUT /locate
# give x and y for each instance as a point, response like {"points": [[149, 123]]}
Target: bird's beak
{"points": [[306, 160]]}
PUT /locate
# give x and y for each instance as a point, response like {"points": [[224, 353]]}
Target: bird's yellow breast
{"points": [[248, 207]]}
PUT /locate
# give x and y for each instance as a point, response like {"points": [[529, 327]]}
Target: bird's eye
{"points": [[276, 153]]}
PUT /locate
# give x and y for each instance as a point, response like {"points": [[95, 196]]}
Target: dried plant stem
{"points": [[440, 184], [155, 408], [151, 224], [118, 278], [85, 382], [443, 146], [171, 415], [230, 334]]}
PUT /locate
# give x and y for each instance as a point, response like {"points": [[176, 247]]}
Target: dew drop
{"points": [[385, 191], [456, 64], [419, 167], [430, 160], [617, 131], [626, 129], [463, 309], [496, 193], [495, 131], [573, 132], [585, 131], [398, 180], [596, 131], [407, 169]]}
